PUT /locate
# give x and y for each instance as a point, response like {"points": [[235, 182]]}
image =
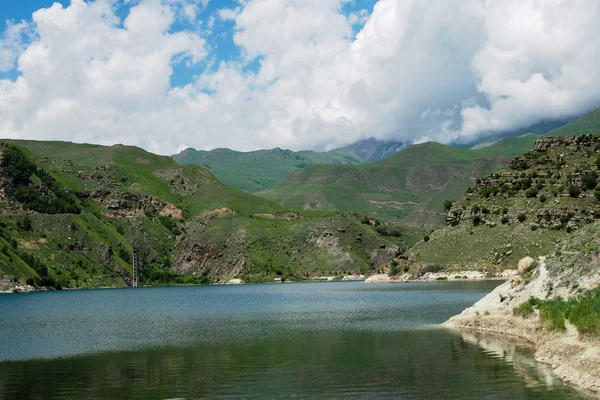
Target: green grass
{"points": [[224, 232], [523, 210], [582, 311], [262, 169], [410, 186], [587, 124]]}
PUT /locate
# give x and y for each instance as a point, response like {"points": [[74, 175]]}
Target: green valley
{"points": [[258, 170], [73, 213], [409, 187]]}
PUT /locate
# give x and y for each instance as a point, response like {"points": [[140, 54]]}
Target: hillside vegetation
{"points": [[527, 209], [409, 187], [258, 170], [71, 215]]}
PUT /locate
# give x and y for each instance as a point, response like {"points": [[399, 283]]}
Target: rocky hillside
{"points": [[259, 170], [527, 209], [409, 187], [71, 214]]}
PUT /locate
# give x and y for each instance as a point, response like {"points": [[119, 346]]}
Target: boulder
{"points": [[525, 264]]}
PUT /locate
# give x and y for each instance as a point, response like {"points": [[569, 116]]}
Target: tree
{"points": [[448, 205]]}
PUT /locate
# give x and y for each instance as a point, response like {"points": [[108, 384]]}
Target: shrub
{"points": [[432, 268], [534, 228], [522, 217], [25, 224], [120, 230], [475, 209], [589, 180], [524, 310], [504, 210], [543, 198], [448, 205], [505, 220], [426, 238], [531, 193], [476, 220], [574, 191], [597, 194]]}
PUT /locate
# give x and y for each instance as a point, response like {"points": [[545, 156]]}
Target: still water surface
{"points": [[322, 340]]}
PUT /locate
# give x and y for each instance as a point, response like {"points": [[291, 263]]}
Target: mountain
{"points": [[258, 170], [71, 215], [527, 209], [587, 124], [373, 149], [410, 186]]}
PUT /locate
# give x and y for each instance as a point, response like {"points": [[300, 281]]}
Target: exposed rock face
{"points": [[235, 281], [525, 264]]}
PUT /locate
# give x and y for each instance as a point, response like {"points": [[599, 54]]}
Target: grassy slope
{"points": [[124, 189], [551, 214], [258, 170], [410, 186], [590, 123]]}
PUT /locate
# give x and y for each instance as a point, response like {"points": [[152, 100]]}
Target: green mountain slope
{"points": [[258, 170], [71, 214], [528, 209], [410, 186], [587, 124]]}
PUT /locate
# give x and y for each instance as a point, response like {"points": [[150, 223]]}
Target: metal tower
{"points": [[136, 268]]}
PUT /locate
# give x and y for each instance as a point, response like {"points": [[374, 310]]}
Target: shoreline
{"points": [[572, 358], [22, 290]]}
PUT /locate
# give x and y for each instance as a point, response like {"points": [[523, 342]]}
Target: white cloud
{"points": [[417, 70], [12, 43]]}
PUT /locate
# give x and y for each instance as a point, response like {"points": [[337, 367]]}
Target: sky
{"points": [[300, 74]]}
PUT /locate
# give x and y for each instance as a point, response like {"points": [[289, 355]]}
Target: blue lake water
{"points": [[305, 340]]}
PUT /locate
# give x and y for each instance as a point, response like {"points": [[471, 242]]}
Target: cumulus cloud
{"points": [[416, 70], [12, 43]]}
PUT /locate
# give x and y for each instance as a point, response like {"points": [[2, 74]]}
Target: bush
{"points": [[505, 220], [476, 220], [25, 224], [54, 200], [574, 191], [426, 238], [543, 198], [597, 194], [531, 193], [448, 205], [522, 217], [504, 210], [524, 310], [534, 228], [432, 268], [589, 180]]}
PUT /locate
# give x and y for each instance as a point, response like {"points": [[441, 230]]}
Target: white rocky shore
{"points": [[573, 359], [438, 276]]}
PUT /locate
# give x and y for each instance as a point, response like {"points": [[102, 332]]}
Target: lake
{"points": [[305, 340]]}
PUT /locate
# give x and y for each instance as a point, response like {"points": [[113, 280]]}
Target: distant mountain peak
{"points": [[372, 149]]}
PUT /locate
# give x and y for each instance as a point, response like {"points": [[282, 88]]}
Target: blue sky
{"points": [[219, 38], [304, 75]]}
